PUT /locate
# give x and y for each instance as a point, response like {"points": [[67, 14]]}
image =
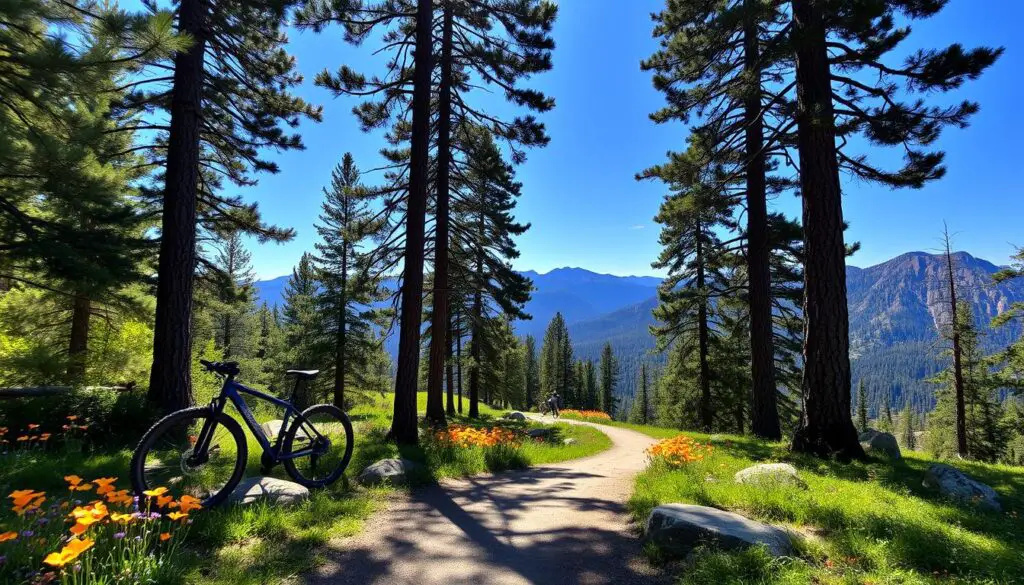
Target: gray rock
{"points": [[269, 489], [770, 474], [676, 529], [883, 443], [569, 441], [542, 433], [387, 471], [957, 485], [272, 428], [515, 416]]}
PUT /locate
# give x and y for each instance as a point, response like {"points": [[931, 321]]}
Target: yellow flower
{"points": [[5, 536], [155, 493], [123, 518], [177, 516]]}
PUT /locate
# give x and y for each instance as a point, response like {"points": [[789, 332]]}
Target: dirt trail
{"points": [[563, 524]]}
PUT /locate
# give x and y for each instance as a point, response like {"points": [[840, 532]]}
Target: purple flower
{"points": [[118, 535], [154, 515], [78, 567], [28, 534], [3, 559], [43, 520], [138, 539]]}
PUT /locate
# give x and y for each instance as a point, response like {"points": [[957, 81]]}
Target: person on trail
{"points": [[553, 404]]}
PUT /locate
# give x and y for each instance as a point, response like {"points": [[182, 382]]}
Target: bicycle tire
{"points": [[289, 440], [138, 475]]}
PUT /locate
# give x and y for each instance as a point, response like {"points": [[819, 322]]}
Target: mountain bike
{"points": [[203, 451]]}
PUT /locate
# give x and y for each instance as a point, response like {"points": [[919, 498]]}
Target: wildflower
{"points": [[119, 497], [165, 537], [187, 503], [87, 516], [163, 501], [32, 426], [155, 493], [73, 418], [22, 438], [74, 548], [5, 536], [175, 516], [104, 485], [28, 534], [679, 451], [118, 535], [121, 518]]}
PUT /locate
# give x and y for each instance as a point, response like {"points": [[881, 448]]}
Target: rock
{"points": [[272, 428], [515, 416], [770, 473], [876, 442], [541, 433], [387, 470], [957, 485], [676, 529], [272, 490], [569, 441]]}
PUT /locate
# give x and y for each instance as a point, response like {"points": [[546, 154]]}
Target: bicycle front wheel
{"points": [[168, 456], [318, 447]]}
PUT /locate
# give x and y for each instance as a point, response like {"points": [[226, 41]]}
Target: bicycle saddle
{"points": [[303, 374]]}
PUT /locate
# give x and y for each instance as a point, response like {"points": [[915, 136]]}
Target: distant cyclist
{"points": [[553, 404]]}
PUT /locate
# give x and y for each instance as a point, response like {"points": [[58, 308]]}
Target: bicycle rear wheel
{"points": [[166, 456], [329, 449]]}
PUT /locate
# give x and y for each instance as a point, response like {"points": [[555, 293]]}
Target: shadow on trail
{"points": [[476, 531]]}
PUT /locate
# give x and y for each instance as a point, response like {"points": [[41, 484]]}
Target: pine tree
{"points": [[227, 100], [957, 327], [732, 48], [400, 100], [350, 281], [885, 422], [833, 44], [556, 361], [591, 391], [862, 406], [474, 44], [533, 396], [640, 413], [232, 282], [907, 437], [301, 321], [609, 368]]}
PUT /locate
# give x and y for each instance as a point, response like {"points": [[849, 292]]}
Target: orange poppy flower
{"points": [[165, 537], [74, 548], [163, 501], [72, 479], [119, 497], [73, 418], [187, 503], [32, 426], [104, 485], [5, 536]]}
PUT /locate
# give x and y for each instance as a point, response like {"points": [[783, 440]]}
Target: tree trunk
{"points": [[704, 375], [458, 360], [450, 371], [341, 335], [764, 410], [78, 345], [170, 380], [403, 424], [474, 371], [958, 370], [826, 427], [439, 324]]}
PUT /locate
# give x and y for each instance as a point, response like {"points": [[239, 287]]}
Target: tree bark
{"points": [[764, 409], [826, 427], [458, 359], [403, 423], [170, 380], [450, 371], [341, 335], [704, 373], [78, 345], [439, 323], [962, 448]]}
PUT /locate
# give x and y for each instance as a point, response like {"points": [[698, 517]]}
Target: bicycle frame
{"points": [[232, 391]]}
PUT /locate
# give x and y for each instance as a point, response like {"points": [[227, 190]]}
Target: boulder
{"points": [[387, 471], [569, 441], [515, 416], [540, 433], [770, 474], [272, 428], [676, 529], [883, 443], [269, 489], [957, 485]]}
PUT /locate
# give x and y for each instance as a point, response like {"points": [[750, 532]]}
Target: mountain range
{"points": [[897, 313]]}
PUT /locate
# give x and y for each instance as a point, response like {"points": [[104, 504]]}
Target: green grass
{"points": [[867, 522], [266, 544]]}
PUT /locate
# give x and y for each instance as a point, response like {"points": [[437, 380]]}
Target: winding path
{"points": [[559, 524]]}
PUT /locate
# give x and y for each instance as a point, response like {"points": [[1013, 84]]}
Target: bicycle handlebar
{"points": [[223, 368]]}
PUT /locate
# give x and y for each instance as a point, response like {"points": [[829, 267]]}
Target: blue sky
{"points": [[580, 195]]}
